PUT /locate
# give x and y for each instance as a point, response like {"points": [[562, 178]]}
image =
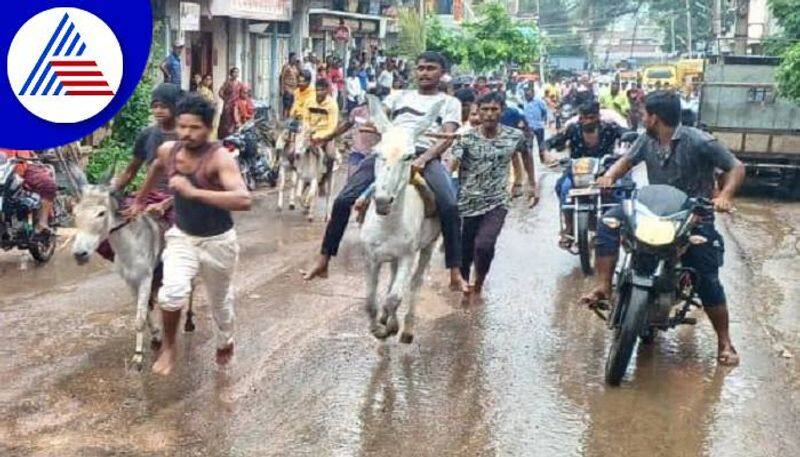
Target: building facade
{"points": [[252, 35], [256, 36]]}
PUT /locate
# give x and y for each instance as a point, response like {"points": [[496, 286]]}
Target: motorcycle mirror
{"points": [[629, 137]]}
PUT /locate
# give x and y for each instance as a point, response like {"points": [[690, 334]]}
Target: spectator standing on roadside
{"points": [[171, 66], [385, 80], [288, 83]]}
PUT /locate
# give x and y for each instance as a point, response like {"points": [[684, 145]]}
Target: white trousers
{"points": [[212, 258]]}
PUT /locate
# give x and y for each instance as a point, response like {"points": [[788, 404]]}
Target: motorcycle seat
{"points": [[662, 200]]}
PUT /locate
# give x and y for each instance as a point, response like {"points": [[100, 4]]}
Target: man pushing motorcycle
{"points": [[685, 158]]}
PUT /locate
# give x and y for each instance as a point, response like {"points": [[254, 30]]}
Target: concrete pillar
{"points": [[299, 25]]}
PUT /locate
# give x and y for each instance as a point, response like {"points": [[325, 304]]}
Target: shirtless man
{"points": [[207, 186]]}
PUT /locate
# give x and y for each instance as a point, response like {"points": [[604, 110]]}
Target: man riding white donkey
{"points": [[409, 110], [396, 230], [307, 150]]}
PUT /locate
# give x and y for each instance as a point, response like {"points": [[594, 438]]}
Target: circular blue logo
{"points": [[70, 68]]}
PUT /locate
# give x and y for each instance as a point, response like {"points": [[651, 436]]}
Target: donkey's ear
{"points": [[425, 123], [377, 114]]}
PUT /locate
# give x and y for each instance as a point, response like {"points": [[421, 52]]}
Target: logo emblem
{"points": [[65, 65]]}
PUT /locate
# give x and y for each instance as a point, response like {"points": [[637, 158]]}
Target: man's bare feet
{"points": [[224, 355], [596, 295], [165, 361], [727, 355], [457, 282], [319, 270]]}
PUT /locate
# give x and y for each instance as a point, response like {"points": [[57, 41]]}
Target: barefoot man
{"points": [[207, 186], [484, 156], [686, 158], [408, 108]]}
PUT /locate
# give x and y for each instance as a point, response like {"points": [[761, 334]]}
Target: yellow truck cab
{"points": [[690, 72], [661, 75]]}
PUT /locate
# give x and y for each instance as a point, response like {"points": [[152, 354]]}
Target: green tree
{"points": [[412, 33], [450, 42], [117, 149], [494, 39], [787, 45]]}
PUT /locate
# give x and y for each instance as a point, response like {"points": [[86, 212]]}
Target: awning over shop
{"points": [[263, 10], [369, 24]]}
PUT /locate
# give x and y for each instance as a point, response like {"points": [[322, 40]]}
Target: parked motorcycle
{"points": [[653, 290], [18, 209], [252, 148], [586, 204]]}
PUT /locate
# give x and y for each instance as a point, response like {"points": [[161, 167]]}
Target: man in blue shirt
{"points": [[512, 117], [535, 110], [171, 66]]}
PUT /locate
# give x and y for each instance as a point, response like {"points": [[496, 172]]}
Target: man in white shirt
{"points": [[407, 109], [310, 64], [385, 80]]}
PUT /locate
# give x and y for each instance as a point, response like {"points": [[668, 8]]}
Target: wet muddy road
{"points": [[518, 374]]}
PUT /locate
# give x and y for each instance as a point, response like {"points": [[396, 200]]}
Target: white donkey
{"points": [[395, 229], [137, 246], [306, 171]]}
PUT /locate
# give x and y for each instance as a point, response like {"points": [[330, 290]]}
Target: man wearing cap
{"points": [[171, 66]]}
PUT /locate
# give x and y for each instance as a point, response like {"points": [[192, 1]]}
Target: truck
{"points": [[665, 75], [690, 72], [740, 105]]}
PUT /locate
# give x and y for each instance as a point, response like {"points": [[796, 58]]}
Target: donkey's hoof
{"points": [[291, 207], [155, 344], [137, 362], [392, 326], [189, 327], [379, 332], [406, 338]]}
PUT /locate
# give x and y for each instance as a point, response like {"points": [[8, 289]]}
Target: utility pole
{"points": [[672, 31], [742, 19], [716, 24], [541, 42], [689, 27]]}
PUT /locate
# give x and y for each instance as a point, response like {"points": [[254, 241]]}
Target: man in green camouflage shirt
{"points": [[484, 159]]}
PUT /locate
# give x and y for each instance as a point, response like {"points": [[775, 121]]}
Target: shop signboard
{"points": [[261, 10], [190, 17]]}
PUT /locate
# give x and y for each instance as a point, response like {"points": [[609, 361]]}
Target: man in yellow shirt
{"points": [[323, 114], [304, 96], [323, 119], [616, 100]]}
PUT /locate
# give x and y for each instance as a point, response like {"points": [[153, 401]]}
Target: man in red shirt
{"points": [[39, 179]]}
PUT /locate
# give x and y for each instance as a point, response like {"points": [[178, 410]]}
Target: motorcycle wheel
{"points": [[584, 249], [625, 335], [42, 250]]}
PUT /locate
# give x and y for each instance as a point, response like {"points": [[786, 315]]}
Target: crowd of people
{"points": [[483, 136]]}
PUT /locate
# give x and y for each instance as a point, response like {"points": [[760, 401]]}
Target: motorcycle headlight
{"points": [[655, 231], [582, 180]]}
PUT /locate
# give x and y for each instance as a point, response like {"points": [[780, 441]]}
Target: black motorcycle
{"points": [[586, 204], [18, 209], [653, 290], [253, 147]]}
